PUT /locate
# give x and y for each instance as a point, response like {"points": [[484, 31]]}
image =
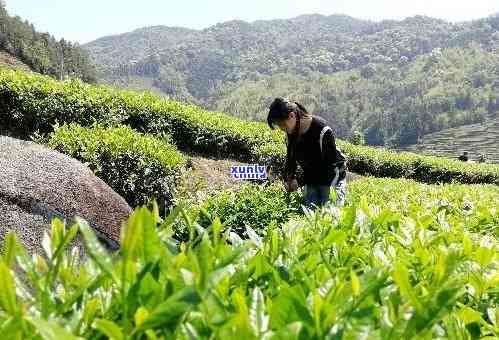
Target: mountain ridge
{"points": [[427, 74]]}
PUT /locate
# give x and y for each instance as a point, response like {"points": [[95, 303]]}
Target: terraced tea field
{"points": [[401, 259], [482, 138]]}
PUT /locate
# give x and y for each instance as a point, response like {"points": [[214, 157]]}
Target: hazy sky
{"points": [[86, 20]]}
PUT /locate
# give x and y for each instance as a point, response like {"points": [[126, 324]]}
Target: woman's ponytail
{"points": [[302, 109]]}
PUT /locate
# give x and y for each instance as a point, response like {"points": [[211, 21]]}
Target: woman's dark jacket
{"points": [[325, 167]]}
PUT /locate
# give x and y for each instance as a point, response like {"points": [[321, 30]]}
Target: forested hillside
{"points": [[391, 105], [392, 80], [41, 52]]}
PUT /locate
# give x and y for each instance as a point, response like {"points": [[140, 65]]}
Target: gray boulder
{"points": [[38, 184]]}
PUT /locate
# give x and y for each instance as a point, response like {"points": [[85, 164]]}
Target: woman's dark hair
{"points": [[280, 109]]}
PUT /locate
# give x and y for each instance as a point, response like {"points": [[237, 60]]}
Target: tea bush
{"points": [[396, 270], [138, 167], [33, 104]]}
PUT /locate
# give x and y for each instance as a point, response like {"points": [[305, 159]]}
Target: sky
{"points": [[87, 20]]}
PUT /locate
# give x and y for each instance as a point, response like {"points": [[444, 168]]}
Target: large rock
{"points": [[37, 184]]}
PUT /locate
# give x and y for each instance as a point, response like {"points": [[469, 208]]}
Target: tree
{"points": [[358, 138], [41, 51]]}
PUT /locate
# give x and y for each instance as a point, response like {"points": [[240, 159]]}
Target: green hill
{"points": [[22, 45], [482, 138], [392, 80]]}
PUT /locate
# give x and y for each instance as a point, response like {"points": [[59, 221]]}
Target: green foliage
{"points": [[400, 270], [34, 103], [396, 105], [252, 206], [138, 167], [394, 80], [42, 52], [259, 206], [357, 138], [380, 162], [237, 50], [473, 205]]}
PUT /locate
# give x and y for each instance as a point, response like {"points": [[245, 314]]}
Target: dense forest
{"points": [[393, 81], [391, 105], [41, 51]]}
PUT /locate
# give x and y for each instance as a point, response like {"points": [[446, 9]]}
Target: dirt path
{"points": [[215, 172], [206, 175]]}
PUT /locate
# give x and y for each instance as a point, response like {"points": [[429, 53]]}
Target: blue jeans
{"points": [[318, 195]]}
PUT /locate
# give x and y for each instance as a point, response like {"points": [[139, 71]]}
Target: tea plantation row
{"points": [[402, 260], [33, 104]]}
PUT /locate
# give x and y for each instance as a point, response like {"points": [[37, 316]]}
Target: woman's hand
{"points": [[291, 185]]}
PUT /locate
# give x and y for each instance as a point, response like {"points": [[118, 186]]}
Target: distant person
{"points": [[464, 157], [310, 143]]}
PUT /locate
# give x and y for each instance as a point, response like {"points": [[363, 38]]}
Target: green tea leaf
{"points": [[172, 309], [293, 331], [51, 330], [189, 331], [469, 315], [12, 329], [467, 245], [132, 233], [484, 255], [9, 249], [355, 283], [150, 238], [95, 250], [258, 318], [493, 314], [140, 316], [7, 290], [66, 240], [109, 328], [401, 277]]}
